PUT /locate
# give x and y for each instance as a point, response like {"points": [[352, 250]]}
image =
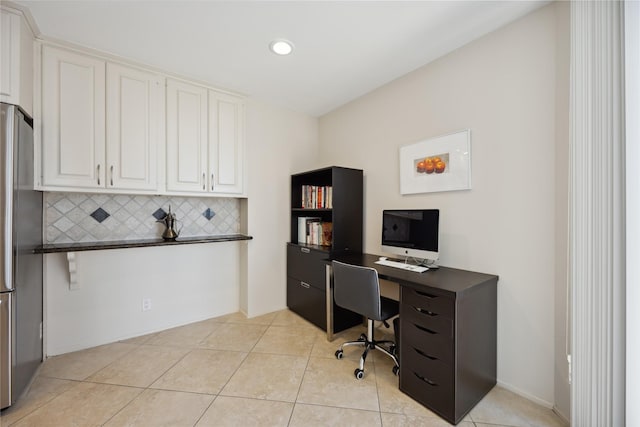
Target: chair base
{"points": [[369, 343]]}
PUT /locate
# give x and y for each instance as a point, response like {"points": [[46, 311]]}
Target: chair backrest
{"points": [[357, 289]]}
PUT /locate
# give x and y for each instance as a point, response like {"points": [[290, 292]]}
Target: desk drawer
{"points": [[307, 265], [428, 302], [307, 301], [427, 319], [429, 382], [431, 343]]}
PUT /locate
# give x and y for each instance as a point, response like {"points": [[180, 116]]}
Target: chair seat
{"points": [[388, 308]]}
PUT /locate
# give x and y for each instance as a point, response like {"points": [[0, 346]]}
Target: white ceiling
{"points": [[343, 49]]}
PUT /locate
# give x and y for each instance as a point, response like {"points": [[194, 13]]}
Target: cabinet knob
{"points": [[98, 169], [212, 182], [305, 285], [204, 181], [305, 250], [112, 175]]}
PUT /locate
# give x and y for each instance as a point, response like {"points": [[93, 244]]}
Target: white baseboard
{"points": [[526, 395]]}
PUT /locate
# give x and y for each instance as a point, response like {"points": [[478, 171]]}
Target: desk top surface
{"points": [[444, 278]]}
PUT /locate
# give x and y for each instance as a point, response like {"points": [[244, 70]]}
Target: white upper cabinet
{"points": [[135, 121], [16, 61], [226, 143], [101, 123], [73, 119], [187, 140], [205, 140], [104, 124]]}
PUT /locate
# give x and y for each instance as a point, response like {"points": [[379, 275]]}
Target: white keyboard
{"points": [[402, 265]]}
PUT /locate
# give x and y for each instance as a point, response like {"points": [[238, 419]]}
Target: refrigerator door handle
{"points": [[6, 199]]}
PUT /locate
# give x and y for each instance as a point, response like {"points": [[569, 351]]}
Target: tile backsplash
{"points": [[80, 217]]}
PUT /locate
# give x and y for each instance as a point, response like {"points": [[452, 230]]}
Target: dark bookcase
{"points": [[306, 273]]}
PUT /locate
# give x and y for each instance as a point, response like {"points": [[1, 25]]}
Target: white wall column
{"points": [[597, 215]]}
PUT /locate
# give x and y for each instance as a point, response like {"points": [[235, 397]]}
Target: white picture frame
{"points": [[441, 163]]}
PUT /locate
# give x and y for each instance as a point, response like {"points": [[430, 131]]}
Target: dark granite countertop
{"points": [[122, 244]]}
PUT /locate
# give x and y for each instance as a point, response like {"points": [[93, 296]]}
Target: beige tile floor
{"points": [[274, 370]]}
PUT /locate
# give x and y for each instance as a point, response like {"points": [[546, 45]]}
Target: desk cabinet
{"points": [[306, 289], [448, 347]]}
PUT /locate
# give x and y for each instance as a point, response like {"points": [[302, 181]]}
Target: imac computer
{"points": [[411, 233]]}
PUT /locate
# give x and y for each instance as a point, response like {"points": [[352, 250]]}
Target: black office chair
{"points": [[357, 289]]}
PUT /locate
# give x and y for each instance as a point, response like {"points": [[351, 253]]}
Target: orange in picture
{"points": [[431, 164]]}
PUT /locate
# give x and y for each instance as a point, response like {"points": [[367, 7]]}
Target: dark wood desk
{"points": [[448, 322]]}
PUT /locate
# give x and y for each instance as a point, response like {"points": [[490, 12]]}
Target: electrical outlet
{"points": [[146, 304]]}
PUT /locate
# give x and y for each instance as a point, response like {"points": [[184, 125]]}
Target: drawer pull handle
{"points": [[424, 294], [422, 353], [425, 311], [305, 250], [426, 380], [305, 285], [422, 328]]}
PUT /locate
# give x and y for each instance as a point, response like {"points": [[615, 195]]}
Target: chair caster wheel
{"points": [[338, 354], [359, 373], [396, 370], [362, 337]]}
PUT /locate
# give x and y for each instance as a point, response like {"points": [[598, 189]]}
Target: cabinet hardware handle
{"points": [[421, 353], [204, 181], [305, 250], [212, 182], [426, 380], [98, 173], [424, 294], [425, 311], [304, 285], [422, 328], [112, 175]]}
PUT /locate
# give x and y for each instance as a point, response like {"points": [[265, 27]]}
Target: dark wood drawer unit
{"points": [[306, 289], [448, 347]]}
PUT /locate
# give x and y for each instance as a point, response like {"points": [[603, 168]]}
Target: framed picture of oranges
{"points": [[442, 163]]}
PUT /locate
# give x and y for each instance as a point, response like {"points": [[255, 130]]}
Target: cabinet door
{"points": [[226, 143], [10, 60], [186, 137], [73, 119], [134, 123], [16, 62]]}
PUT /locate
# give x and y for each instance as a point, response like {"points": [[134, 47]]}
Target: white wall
{"points": [[279, 143], [503, 88], [185, 283]]}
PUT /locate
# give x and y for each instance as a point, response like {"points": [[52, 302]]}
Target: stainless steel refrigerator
{"points": [[20, 267]]}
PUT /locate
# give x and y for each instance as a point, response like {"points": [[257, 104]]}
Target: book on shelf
{"points": [[317, 197], [313, 231], [303, 227]]}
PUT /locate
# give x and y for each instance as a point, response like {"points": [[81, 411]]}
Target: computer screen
{"points": [[411, 232]]}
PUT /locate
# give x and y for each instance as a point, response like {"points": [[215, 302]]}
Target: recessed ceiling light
{"points": [[281, 47]]}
